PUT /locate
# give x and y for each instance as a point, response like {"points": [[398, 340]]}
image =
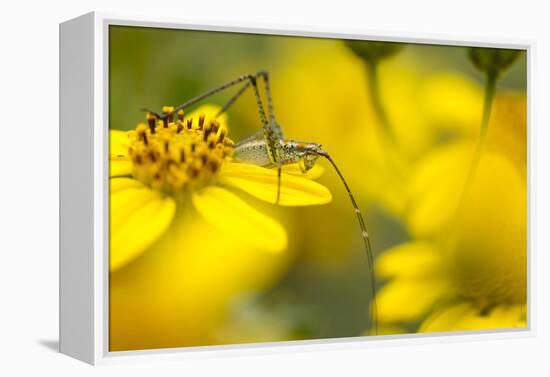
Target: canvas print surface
{"points": [[274, 188]]}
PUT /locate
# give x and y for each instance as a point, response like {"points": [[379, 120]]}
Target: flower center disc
{"points": [[172, 155]]}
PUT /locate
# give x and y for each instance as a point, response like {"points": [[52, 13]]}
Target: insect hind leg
{"points": [[232, 100]]}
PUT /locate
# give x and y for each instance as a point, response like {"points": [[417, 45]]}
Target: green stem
{"points": [[387, 136], [490, 90], [448, 236], [376, 99]]}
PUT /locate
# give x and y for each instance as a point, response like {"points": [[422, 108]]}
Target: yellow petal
{"points": [[514, 315], [226, 212], [451, 100], [406, 300], [138, 217], [119, 168], [488, 240], [119, 163], [508, 127], [262, 183], [123, 184], [435, 188], [464, 316], [294, 169], [118, 144], [179, 292], [446, 319], [408, 260]]}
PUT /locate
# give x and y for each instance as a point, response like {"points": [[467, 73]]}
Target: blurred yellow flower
{"points": [[423, 107], [437, 179], [158, 170], [435, 115], [466, 266]]}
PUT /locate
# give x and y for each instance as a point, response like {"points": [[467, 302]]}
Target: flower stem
{"points": [[376, 99], [490, 90], [388, 140]]}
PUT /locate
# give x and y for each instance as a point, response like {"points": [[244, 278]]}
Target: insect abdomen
{"points": [[252, 152]]}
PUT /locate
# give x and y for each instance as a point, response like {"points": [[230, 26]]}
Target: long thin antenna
{"points": [[366, 242]]}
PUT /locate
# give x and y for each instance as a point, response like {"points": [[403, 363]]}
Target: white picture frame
{"points": [[84, 191]]}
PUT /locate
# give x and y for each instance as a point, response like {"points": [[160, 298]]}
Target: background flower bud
{"points": [[492, 60], [374, 51]]}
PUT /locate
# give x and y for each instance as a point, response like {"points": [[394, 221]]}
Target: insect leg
{"points": [[270, 113], [279, 170], [271, 135], [233, 99], [261, 74], [272, 141], [273, 124], [276, 130], [203, 96]]}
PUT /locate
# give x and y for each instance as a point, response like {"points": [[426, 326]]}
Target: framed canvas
{"points": [[235, 189]]}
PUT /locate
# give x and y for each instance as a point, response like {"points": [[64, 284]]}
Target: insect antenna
{"points": [[366, 243]]}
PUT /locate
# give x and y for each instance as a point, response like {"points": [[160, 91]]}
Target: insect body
{"points": [[255, 150], [269, 148]]}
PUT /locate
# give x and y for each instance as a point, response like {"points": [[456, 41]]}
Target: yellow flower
{"points": [[185, 242], [161, 170], [465, 267]]}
